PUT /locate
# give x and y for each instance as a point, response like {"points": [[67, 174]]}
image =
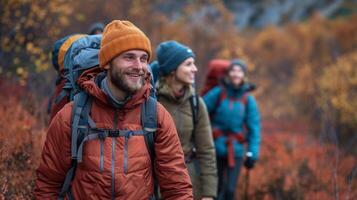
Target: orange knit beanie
{"points": [[120, 36]]}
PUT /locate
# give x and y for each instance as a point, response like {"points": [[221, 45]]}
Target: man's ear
{"points": [[107, 66]]}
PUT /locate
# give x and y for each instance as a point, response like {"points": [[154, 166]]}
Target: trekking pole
{"points": [[246, 188]]}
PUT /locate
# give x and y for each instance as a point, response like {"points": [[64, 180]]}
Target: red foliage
{"points": [[295, 165], [20, 144]]}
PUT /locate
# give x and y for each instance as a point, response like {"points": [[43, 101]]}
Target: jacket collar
{"points": [[164, 90], [238, 91], [90, 81]]}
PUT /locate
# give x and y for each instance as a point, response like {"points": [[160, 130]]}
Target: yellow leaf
{"points": [[20, 71], [29, 46]]}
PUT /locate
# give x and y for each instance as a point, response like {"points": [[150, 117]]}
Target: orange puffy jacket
{"points": [[113, 183]]}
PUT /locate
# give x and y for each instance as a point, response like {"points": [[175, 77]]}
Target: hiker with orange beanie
{"points": [[97, 146]]}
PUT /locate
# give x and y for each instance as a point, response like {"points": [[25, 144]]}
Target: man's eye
{"points": [[143, 59]]}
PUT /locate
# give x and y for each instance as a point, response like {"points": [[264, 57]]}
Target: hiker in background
{"points": [[59, 50], [114, 162], [176, 93], [96, 28], [232, 108]]}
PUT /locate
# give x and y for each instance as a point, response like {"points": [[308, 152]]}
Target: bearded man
{"points": [[115, 167]]}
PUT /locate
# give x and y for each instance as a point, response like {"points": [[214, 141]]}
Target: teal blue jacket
{"points": [[230, 114]]}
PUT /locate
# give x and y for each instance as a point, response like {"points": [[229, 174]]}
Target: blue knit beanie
{"points": [[96, 27], [170, 55], [240, 63]]}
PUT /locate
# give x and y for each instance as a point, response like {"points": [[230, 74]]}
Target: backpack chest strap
{"points": [[101, 134]]}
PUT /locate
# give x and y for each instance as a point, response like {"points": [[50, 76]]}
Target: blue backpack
{"points": [[81, 56]]}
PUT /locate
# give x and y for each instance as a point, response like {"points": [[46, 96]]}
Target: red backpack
{"points": [[216, 71]]}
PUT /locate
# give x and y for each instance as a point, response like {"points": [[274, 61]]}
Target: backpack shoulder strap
{"points": [[149, 124], [194, 102], [244, 98], [79, 103], [221, 96], [79, 118]]}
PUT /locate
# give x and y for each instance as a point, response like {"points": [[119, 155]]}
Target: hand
{"points": [[249, 163], [207, 198]]}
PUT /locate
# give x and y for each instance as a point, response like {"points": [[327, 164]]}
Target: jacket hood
{"points": [[90, 82]]}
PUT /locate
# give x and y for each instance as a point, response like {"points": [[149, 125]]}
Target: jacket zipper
{"points": [[113, 154]]}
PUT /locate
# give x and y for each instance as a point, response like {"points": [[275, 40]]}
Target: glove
{"points": [[249, 163]]}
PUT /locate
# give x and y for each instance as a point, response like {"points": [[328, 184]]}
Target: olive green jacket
{"points": [[204, 179]]}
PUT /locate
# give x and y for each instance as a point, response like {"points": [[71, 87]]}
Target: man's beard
{"points": [[119, 80]]}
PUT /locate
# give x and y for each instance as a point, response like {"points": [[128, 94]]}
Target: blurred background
{"points": [[301, 54]]}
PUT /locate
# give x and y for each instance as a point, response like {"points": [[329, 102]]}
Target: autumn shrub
{"points": [[304, 71], [338, 99], [20, 144], [295, 165]]}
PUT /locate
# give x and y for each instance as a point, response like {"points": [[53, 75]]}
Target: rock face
{"points": [[258, 14], [262, 13]]}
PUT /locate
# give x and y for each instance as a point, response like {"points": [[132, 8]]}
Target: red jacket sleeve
{"points": [[171, 171], [56, 157]]}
